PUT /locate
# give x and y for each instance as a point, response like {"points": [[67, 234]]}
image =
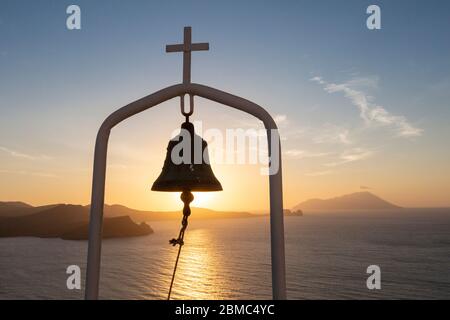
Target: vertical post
{"points": [[96, 215], [187, 55], [277, 225]]}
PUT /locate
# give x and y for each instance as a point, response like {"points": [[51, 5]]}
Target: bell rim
{"points": [[196, 188]]}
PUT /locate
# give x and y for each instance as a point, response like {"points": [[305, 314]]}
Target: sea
{"points": [[327, 256]]}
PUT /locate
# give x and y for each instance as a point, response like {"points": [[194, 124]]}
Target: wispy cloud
{"points": [[280, 119], [332, 134], [371, 113], [352, 155], [17, 154]]}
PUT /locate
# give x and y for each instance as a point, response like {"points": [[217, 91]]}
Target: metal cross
{"points": [[186, 48]]}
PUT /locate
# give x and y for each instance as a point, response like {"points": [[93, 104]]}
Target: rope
{"points": [[174, 271], [186, 197]]}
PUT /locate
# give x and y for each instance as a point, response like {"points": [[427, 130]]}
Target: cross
{"points": [[186, 48]]}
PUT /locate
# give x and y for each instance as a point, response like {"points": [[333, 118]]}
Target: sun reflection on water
{"points": [[199, 274], [217, 262]]}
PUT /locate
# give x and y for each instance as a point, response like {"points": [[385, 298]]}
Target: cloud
{"points": [[301, 154], [365, 187], [352, 155], [17, 154], [280, 119], [371, 113], [332, 134], [318, 80]]}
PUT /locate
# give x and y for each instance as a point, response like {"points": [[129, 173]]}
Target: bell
{"points": [[189, 176]]}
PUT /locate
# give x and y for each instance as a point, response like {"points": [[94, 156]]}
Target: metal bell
{"points": [[189, 176]]}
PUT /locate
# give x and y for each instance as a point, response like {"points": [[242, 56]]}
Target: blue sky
{"points": [[57, 86]]}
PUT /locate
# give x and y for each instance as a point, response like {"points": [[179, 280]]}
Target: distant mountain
{"points": [[18, 208], [14, 204], [354, 201], [49, 223], [18, 219], [67, 222], [117, 227], [197, 213], [9, 208]]}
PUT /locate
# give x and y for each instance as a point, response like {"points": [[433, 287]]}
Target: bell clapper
{"points": [[187, 197]]}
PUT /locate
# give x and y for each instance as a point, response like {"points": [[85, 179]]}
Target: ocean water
{"points": [[326, 258]]}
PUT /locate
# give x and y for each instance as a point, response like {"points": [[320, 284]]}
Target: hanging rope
{"points": [[186, 197]]}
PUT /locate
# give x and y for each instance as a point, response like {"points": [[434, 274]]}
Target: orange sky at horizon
{"points": [[136, 155]]}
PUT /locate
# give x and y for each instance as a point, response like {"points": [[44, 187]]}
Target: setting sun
{"points": [[201, 199]]}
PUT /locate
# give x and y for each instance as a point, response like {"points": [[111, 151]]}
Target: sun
{"points": [[201, 199]]}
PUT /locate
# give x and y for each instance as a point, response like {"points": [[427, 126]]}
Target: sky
{"points": [[358, 109]]}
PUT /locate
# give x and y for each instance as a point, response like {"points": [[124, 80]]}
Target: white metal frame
{"points": [[179, 90]]}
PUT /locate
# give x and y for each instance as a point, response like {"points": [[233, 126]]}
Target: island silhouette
{"points": [[71, 222], [354, 201]]}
